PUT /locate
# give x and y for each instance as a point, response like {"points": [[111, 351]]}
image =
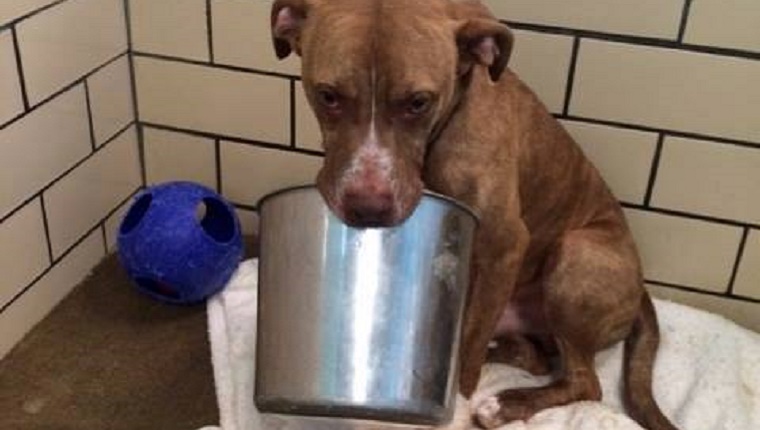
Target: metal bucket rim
{"points": [[427, 193]]}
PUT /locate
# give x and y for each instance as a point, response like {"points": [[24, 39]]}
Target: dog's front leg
{"points": [[497, 258]]}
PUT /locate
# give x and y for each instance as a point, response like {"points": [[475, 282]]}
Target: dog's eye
{"points": [[328, 98], [419, 103]]}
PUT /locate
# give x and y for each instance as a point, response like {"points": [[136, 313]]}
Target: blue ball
{"points": [[180, 242]]}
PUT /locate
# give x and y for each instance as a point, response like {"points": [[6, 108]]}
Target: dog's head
{"points": [[382, 76]]}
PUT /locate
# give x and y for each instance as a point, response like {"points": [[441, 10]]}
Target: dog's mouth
{"points": [[370, 210]]}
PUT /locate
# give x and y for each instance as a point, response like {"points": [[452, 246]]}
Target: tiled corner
{"points": [[741, 312], [172, 156], [623, 156], [111, 99], [86, 196], [42, 146], [664, 88], [543, 62], [249, 221], [308, 135], [250, 172], [11, 103], [733, 24], [23, 250], [14, 9], [42, 297], [684, 251], [213, 100], [650, 18], [242, 37], [747, 281], [171, 27], [113, 223], [56, 52], [709, 178]]}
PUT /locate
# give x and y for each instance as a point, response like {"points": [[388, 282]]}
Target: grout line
{"points": [[636, 40], [695, 217], [654, 169], [218, 164], [128, 24], [293, 137], [66, 253], [66, 172], [739, 255], [105, 237], [571, 75], [227, 67], [210, 32], [20, 69], [704, 292], [684, 20], [90, 121], [15, 21], [46, 225], [62, 90], [133, 89], [234, 139]]}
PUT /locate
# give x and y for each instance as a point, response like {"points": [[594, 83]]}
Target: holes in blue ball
{"points": [[216, 219], [161, 288], [136, 213]]}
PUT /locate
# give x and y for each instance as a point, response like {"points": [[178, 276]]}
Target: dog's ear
{"points": [[485, 41], [288, 17]]}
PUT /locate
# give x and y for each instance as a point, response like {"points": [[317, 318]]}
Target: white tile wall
{"points": [[709, 178], [684, 251], [731, 24], [11, 103], [701, 93], [36, 303], [651, 18], [748, 276], [113, 223], [13, 9], [542, 61], [86, 196], [170, 27], [42, 146], [171, 156], [111, 99], [23, 250], [213, 100], [65, 42]]}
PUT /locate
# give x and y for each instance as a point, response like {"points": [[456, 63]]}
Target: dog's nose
{"points": [[368, 209]]}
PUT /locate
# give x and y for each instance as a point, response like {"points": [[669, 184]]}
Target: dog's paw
{"points": [[488, 413]]}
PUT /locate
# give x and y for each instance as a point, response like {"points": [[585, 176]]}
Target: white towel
{"points": [[707, 375]]}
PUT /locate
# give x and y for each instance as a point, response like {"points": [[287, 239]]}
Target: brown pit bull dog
{"points": [[412, 94]]}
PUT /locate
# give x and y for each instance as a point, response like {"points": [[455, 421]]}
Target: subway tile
{"points": [[85, 196], [111, 99], [65, 42], [214, 100], [747, 281], [675, 250], [665, 88], [308, 135], [11, 103], [41, 146], [543, 62], [623, 156], [14, 9], [171, 27], [741, 312], [709, 178], [731, 24], [250, 172], [45, 294], [648, 18], [113, 223], [23, 250], [171, 156], [242, 37]]}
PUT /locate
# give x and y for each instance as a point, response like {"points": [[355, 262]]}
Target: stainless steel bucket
{"points": [[360, 323]]}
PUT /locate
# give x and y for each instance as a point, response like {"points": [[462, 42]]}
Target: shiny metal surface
{"points": [[360, 323]]}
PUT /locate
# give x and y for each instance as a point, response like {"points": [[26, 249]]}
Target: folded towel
{"points": [[707, 374]]}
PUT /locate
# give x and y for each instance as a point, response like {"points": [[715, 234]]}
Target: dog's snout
{"points": [[368, 208]]}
